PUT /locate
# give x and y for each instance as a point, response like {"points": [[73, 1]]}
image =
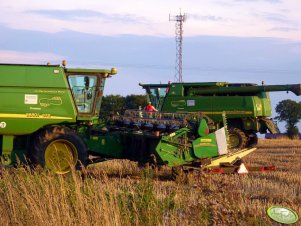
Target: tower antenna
{"points": [[179, 19]]}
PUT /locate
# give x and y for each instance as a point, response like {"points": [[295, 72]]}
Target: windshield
{"points": [[83, 90], [156, 95]]}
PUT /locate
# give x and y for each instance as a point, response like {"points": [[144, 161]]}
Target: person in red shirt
{"points": [[150, 107]]}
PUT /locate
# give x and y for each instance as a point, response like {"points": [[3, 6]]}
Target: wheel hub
{"points": [[61, 156], [234, 140]]}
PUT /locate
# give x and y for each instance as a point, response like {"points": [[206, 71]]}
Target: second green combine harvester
{"points": [[247, 106], [49, 116]]}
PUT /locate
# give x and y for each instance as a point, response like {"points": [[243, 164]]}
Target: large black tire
{"points": [[237, 139], [59, 149], [252, 139]]}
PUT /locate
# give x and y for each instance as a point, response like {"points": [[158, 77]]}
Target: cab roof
{"points": [[67, 70]]}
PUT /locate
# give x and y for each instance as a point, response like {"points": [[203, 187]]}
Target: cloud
{"points": [[270, 1], [277, 18], [273, 1], [205, 18], [8, 56], [67, 14], [114, 18], [88, 14], [284, 29]]}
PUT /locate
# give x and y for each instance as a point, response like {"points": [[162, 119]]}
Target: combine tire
{"points": [[252, 139], [58, 149], [237, 138]]}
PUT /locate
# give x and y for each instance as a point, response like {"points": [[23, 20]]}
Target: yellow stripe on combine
{"points": [[227, 112], [33, 116]]}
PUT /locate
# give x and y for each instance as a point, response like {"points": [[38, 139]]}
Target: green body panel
{"points": [[7, 147], [32, 97], [86, 71], [202, 129], [172, 151], [205, 147], [242, 89], [107, 146]]}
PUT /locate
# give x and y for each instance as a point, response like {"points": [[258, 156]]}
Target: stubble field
{"points": [[119, 193]]}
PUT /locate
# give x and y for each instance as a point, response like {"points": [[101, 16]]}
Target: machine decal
{"points": [[2, 125], [32, 108], [31, 99], [50, 91], [178, 103], [204, 145], [45, 102], [33, 115], [37, 115], [190, 103], [205, 140]]}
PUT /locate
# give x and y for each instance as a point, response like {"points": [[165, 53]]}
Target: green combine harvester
{"points": [[247, 106], [49, 117]]}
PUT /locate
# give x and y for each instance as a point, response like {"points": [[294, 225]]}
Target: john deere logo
{"points": [[282, 215], [2, 125]]}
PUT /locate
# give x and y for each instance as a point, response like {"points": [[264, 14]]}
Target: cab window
{"points": [[156, 95], [83, 91]]}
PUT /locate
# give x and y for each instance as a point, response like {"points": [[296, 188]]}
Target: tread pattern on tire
{"points": [[241, 136], [252, 139]]}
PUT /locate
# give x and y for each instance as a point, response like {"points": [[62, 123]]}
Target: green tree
{"points": [[289, 111], [112, 103], [116, 103], [134, 101]]}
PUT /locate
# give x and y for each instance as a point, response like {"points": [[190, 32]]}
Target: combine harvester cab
{"points": [[248, 106]]}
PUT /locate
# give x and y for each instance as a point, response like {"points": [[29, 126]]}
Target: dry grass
{"points": [[119, 193]]}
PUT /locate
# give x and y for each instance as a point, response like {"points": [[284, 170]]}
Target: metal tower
{"points": [[180, 19]]}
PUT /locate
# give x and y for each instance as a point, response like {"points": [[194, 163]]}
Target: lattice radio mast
{"points": [[180, 19]]}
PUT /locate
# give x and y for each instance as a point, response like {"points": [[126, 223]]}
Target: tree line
{"points": [[116, 103]]}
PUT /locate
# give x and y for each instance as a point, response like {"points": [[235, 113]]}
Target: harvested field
{"points": [[119, 193]]}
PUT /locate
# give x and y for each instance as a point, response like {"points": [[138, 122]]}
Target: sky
{"points": [[224, 40], [247, 18]]}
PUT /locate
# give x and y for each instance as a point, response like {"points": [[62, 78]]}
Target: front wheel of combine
{"points": [[59, 150], [237, 139]]}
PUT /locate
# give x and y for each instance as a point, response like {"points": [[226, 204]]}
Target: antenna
{"points": [[179, 19]]}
